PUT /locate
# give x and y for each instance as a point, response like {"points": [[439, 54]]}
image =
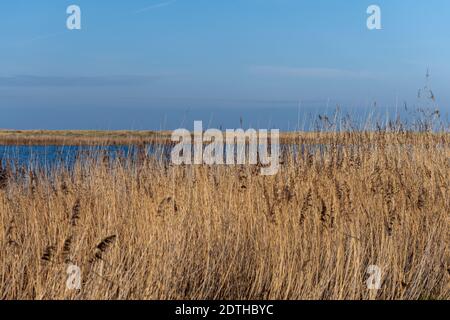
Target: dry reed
{"points": [[202, 232]]}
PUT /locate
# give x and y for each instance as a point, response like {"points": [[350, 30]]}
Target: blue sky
{"points": [[143, 64]]}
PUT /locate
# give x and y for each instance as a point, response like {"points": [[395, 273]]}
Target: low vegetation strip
{"points": [[92, 137]]}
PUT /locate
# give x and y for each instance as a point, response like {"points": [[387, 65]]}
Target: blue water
{"points": [[51, 156]]}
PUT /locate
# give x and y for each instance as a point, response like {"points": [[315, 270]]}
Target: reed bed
{"points": [[140, 228]]}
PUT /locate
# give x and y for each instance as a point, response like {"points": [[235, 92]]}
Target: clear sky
{"points": [[138, 64]]}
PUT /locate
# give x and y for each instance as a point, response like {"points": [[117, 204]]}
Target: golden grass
{"points": [[148, 230]]}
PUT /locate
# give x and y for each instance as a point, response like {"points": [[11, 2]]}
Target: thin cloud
{"points": [[329, 73], [155, 6], [75, 81], [40, 38]]}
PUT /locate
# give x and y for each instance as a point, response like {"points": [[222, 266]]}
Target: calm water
{"points": [[51, 156], [54, 156]]}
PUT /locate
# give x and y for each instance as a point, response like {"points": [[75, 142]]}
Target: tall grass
{"points": [[143, 229]]}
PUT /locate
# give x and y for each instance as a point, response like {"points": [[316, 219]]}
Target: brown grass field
{"points": [[143, 229]]}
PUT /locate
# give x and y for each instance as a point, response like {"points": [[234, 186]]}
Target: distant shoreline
{"points": [[129, 137], [81, 137]]}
